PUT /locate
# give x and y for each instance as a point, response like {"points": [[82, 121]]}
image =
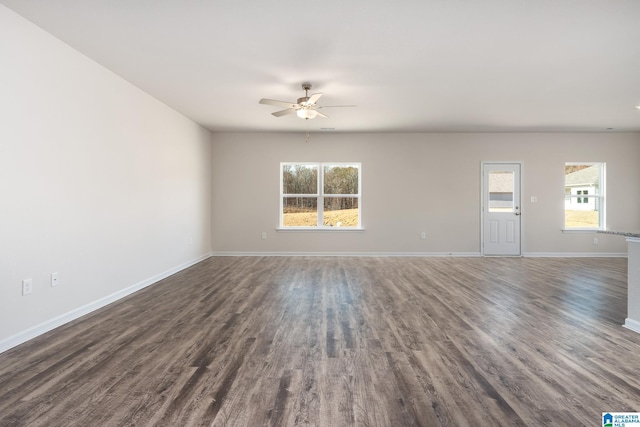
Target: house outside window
{"points": [[320, 195], [584, 179]]}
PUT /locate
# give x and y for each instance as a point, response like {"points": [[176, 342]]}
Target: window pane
{"points": [[340, 179], [501, 185], [300, 179], [340, 212], [582, 180], [320, 195], [582, 213], [300, 211]]}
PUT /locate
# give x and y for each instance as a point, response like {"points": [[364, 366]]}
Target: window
{"points": [[581, 180], [501, 188], [320, 195]]}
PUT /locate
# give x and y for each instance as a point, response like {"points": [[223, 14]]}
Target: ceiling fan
{"points": [[305, 107]]}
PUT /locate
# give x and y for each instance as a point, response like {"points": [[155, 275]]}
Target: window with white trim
{"points": [[320, 195], [584, 196]]}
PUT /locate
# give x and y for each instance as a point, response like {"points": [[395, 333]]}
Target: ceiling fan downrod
{"points": [[306, 87]]}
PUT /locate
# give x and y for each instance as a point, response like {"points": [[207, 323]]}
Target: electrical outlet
{"points": [[595, 240], [54, 279], [423, 235], [264, 235], [27, 286]]}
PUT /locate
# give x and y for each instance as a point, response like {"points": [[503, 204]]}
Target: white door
{"points": [[501, 208]]}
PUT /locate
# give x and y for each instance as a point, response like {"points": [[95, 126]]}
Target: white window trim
{"points": [[601, 198], [320, 195]]}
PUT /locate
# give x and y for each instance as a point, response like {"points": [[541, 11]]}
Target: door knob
{"points": [[517, 213]]}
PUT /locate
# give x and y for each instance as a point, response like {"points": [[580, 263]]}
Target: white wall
{"points": [[98, 182], [420, 182]]}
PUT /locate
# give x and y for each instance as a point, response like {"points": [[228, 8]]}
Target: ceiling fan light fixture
{"points": [[306, 113]]}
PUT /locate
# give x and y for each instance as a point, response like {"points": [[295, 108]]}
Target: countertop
{"points": [[635, 234]]}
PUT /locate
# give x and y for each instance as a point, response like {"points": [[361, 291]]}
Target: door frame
{"points": [[482, 206]]}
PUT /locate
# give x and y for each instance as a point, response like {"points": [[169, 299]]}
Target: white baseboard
{"points": [[575, 254], [634, 325], [50, 324], [351, 254], [424, 254]]}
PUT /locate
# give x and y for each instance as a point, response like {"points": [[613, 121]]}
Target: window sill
{"points": [[320, 230], [581, 230]]}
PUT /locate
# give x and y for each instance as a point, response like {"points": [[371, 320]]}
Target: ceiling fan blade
{"points": [[322, 115], [278, 103], [313, 98], [334, 106], [285, 112]]}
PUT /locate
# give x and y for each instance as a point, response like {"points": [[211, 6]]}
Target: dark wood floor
{"points": [[270, 341]]}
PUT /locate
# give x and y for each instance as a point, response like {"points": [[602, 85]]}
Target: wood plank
{"points": [[330, 341]]}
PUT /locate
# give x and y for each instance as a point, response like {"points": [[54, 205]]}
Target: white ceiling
{"points": [[413, 65]]}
